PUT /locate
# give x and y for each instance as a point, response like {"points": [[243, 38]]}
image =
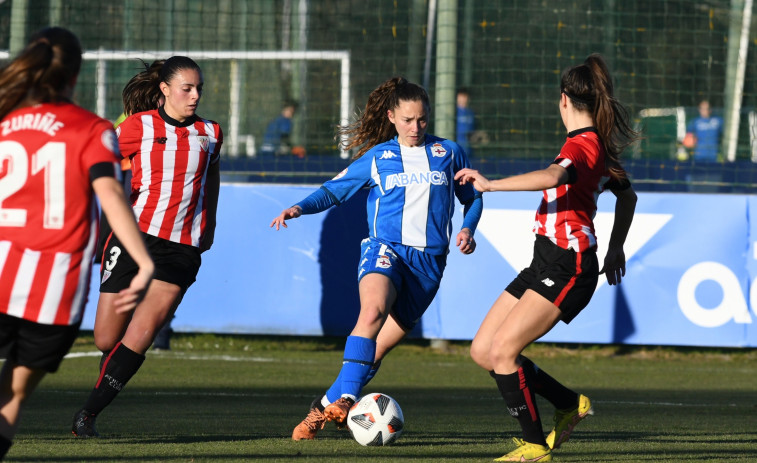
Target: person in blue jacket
{"points": [[464, 120], [707, 130], [276, 137], [410, 205]]}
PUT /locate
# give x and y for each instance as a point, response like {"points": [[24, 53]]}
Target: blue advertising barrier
{"points": [[691, 267]]}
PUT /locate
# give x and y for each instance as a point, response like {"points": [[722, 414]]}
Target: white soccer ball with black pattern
{"points": [[375, 420]]}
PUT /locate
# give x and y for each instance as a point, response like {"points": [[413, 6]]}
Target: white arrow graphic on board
{"points": [[509, 231]]}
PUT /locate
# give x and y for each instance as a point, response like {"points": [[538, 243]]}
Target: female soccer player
{"points": [[563, 274], [410, 206], [174, 191], [54, 156]]}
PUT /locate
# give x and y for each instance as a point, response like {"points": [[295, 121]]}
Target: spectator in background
{"points": [[703, 134], [276, 136], [465, 118]]}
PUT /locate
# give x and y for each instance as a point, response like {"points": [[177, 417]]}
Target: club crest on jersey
{"points": [[110, 141], [387, 155], [204, 143], [438, 151], [383, 262], [340, 174]]}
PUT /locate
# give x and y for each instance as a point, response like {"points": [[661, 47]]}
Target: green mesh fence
{"points": [[665, 55]]}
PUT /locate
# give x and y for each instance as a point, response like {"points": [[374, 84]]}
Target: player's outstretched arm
{"points": [[121, 219], [543, 179], [288, 213]]}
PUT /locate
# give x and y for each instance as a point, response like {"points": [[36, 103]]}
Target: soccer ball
{"points": [[375, 420]]}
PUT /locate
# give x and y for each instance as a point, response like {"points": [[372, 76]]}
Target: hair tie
{"points": [[587, 102]]}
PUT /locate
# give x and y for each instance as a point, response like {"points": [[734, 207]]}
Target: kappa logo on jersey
{"points": [[204, 143], [438, 151], [110, 141], [161, 140], [388, 155], [416, 178], [383, 262], [340, 174]]}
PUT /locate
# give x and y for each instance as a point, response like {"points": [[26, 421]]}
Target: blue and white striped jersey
{"points": [[411, 198]]}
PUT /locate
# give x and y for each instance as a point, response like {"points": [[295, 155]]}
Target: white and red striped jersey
{"points": [[48, 215], [169, 169], [566, 213]]}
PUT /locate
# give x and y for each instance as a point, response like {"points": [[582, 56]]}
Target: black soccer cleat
{"points": [[84, 424]]}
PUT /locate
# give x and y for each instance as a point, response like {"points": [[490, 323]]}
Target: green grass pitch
{"points": [[236, 398]]}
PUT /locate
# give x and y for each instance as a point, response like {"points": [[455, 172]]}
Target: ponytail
{"points": [[142, 92], [373, 126], [589, 87], [43, 72]]}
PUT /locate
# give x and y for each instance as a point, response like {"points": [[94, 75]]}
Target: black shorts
{"points": [[175, 263], [34, 345], [563, 276]]}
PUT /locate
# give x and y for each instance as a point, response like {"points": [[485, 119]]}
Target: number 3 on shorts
{"points": [[115, 251]]}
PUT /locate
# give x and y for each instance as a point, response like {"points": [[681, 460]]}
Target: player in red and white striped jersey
{"points": [[174, 193], [53, 156], [564, 272], [167, 150]]}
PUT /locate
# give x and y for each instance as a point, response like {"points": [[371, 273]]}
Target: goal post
{"points": [[101, 57], [233, 140]]}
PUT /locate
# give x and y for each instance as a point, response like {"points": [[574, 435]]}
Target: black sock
{"points": [[548, 387], [5, 444], [521, 403], [117, 370]]}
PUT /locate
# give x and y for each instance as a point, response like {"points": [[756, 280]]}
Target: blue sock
{"points": [[335, 391], [358, 359], [374, 369]]}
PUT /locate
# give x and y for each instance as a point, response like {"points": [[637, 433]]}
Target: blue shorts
{"points": [[415, 274]]}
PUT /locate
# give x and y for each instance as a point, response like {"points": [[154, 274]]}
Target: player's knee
{"points": [[105, 342], [480, 354], [502, 354], [372, 315]]}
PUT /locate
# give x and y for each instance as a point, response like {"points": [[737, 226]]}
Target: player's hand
{"points": [[465, 241], [479, 182], [614, 267], [288, 213], [129, 298]]}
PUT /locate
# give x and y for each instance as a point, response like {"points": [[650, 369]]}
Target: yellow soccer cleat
{"points": [[527, 451], [566, 420]]}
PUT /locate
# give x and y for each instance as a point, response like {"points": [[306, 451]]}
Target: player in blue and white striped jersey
{"points": [[410, 207]]}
